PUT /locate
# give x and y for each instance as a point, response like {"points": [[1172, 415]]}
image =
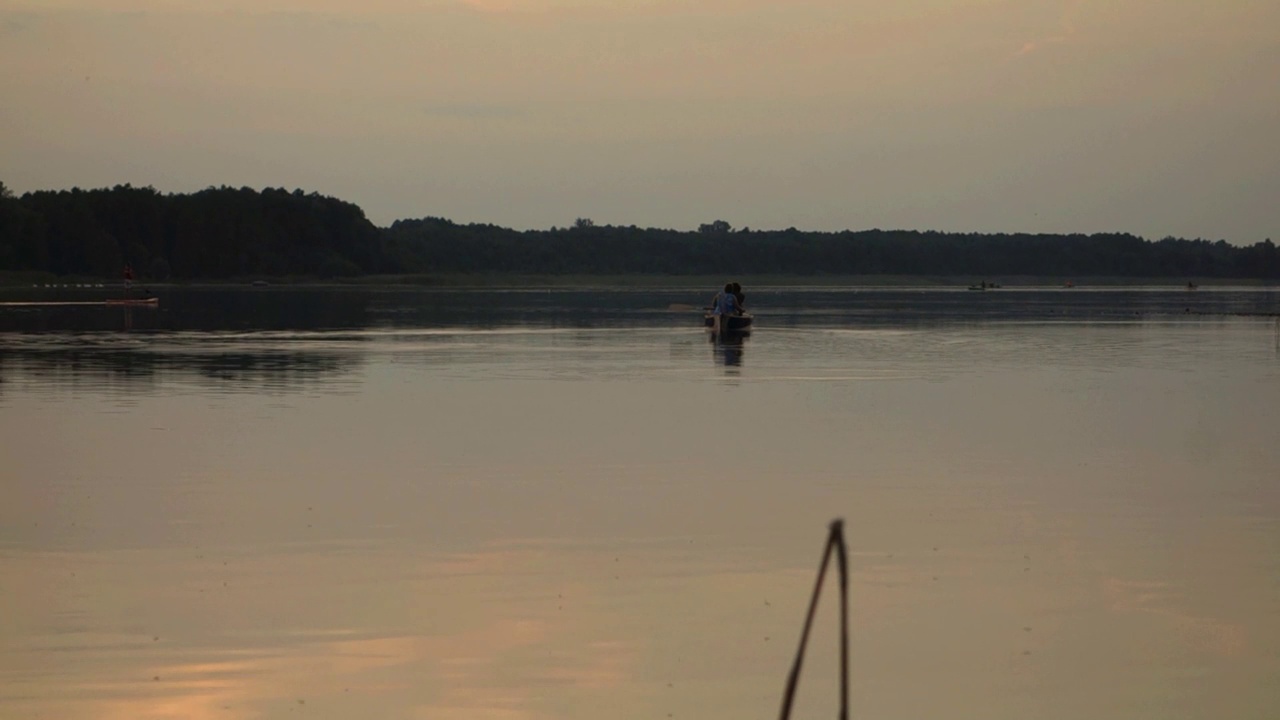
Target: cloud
{"points": [[14, 25], [1066, 29], [508, 6], [547, 6], [473, 111]]}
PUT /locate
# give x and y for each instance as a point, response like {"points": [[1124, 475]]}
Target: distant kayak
{"points": [[114, 302], [134, 302]]}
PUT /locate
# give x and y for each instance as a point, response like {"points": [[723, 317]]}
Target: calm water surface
{"points": [[529, 505]]}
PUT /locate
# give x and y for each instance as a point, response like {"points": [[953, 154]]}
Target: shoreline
{"points": [[34, 281]]}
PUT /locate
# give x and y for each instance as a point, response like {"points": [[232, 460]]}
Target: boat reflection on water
{"points": [[728, 349]]}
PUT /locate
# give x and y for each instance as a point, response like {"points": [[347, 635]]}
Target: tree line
{"points": [[225, 233]]}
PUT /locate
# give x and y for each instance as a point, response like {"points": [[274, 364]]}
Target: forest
{"points": [[225, 233]]}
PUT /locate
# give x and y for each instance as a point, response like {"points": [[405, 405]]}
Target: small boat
{"points": [[737, 323], [133, 302]]}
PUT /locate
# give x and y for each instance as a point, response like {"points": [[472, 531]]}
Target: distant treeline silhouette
{"points": [[224, 232]]}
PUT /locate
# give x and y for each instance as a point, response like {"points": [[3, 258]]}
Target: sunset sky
{"points": [[1157, 117]]}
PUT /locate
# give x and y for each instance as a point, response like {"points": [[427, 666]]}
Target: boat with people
{"points": [[726, 315], [146, 301], [733, 323]]}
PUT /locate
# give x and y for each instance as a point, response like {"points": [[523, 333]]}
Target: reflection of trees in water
{"points": [[242, 309], [879, 307], [275, 370], [190, 309], [135, 370], [491, 309]]}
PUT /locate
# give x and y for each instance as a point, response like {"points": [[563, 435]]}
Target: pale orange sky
{"points": [[1157, 117]]}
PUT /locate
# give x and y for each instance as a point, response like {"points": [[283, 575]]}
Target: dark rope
{"points": [[835, 543]]}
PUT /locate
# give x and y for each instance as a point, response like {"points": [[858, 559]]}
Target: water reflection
{"points": [[348, 308], [115, 367], [528, 505], [248, 638], [728, 350]]}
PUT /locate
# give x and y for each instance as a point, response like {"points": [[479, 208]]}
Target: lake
{"points": [[525, 505]]}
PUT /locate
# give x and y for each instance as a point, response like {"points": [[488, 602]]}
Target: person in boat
{"points": [[726, 306], [736, 290]]}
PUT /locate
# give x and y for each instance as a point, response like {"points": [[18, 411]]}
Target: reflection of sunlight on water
{"points": [[560, 628], [469, 653], [1157, 599]]}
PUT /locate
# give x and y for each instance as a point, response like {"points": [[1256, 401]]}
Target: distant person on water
{"points": [[733, 289], [726, 306]]}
